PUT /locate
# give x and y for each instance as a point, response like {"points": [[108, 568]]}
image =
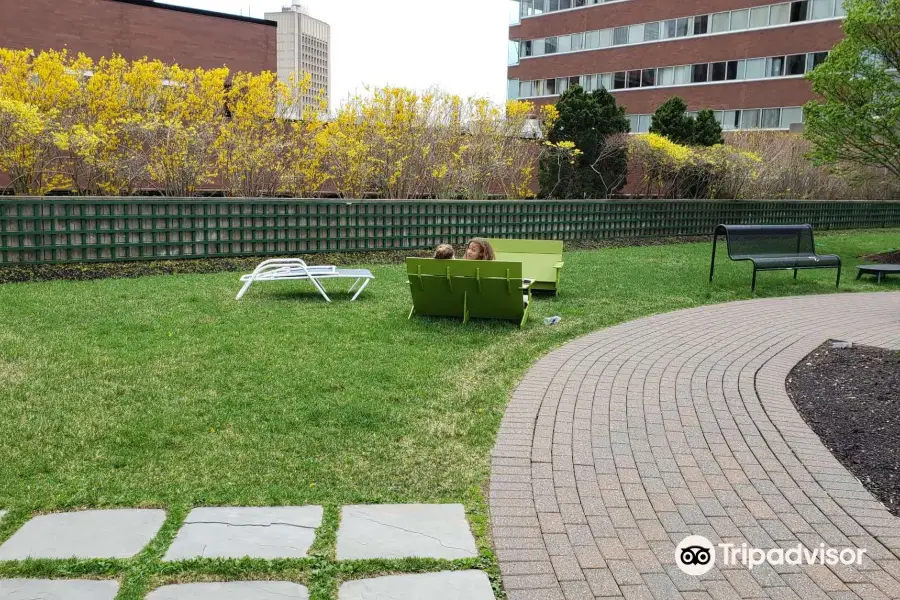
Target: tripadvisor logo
{"points": [[696, 555]]}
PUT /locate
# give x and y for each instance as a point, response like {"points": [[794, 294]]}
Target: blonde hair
{"points": [[444, 252], [487, 251]]}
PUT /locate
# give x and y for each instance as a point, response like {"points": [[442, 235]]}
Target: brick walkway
{"points": [[618, 445]]}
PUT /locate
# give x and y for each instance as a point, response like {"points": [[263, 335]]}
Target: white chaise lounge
{"points": [[294, 269]]}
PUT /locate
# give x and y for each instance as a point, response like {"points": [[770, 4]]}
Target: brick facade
{"points": [[136, 28]]}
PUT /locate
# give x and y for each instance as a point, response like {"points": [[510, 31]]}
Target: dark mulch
{"points": [[887, 258], [851, 399], [86, 271]]}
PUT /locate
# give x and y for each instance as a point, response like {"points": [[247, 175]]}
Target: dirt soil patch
{"points": [[888, 258], [851, 398]]}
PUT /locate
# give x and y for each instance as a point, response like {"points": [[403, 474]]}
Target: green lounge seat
{"points": [[542, 260], [468, 289]]}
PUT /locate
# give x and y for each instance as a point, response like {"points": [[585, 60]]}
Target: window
{"points": [[814, 59], [539, 47], [539, 7], [591, 40], [667, 76], [731, 70], [683, 27], [565, 43], [587, 82], [648, 78], [771, 118], [799, 11], [719, 116], [550, 45], [780, 14], [775, 66], [577, 41], [739, 19], [562, 84], [701, 24], [731, 119], [796, 64], [634, 79], [651, 31], [756, 68], [512, 89], [550, 87], [682, 74], [634, 122], [552, 5], [790, 116], [699, 73], [750, 119], [620, 36], [565, 4], [759, 17], [669, 28], [718, 72], [721, 22], [619, 80], [822, 9], [526, 48], [606, 80], [636, 33], [539, 87], [512, 54], [839, 10], [643, 124], [606, 36]]}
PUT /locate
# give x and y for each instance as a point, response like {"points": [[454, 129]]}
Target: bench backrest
{"points": [[487, 289], [538, 257], [768, 240]]}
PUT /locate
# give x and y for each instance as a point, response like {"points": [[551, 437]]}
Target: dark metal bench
{"points": [[774, 248]]}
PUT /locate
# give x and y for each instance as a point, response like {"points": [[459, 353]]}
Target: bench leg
{"points": [[753, 285], [838, 284], [859, 275], [795, 273], [880, 277]]}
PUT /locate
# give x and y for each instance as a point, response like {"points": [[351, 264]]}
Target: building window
{"points": [[799, 11], [682, 74], [719, 71], [512, 57], [606, 81], [644, 124], [684, 26], [822, 9], [562, 84], [780, 14], [591, 40], [699, 73], [634, 79], [550, 87], [731, 119], [739, 19], [577, 41], [619, 80], [667, 76], [606, 36], [636, 33], [538, 47], [721, 22], [839, 10], [790, 116], [750, 119], [651, 31], [552, 5], [669, 29], [759, 17], [701, 24], [796, 64], [551, 45], [564, 44], [814, 59], [755, 68], [731, 71], [771, 118], [648, 78], [620, 36], [775, 66], [565, 4], [512, 89]]}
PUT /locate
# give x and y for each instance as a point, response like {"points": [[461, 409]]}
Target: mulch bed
{"points": [[888, 258], [851, 398]]}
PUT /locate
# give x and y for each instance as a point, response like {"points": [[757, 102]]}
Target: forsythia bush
{"points": [[114, 126], [673, 170]]}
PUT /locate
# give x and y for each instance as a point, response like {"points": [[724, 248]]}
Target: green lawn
{"points": [[164, 391]]}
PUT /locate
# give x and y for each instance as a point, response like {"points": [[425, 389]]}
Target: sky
{"points": [[458, 46]]}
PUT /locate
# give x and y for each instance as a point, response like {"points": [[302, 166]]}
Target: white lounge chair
{"points": [[294, 269]]}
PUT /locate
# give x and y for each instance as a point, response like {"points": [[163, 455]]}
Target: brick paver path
{"points": [[620, 444]]}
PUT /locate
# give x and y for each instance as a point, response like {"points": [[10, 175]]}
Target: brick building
{"points": [[137, 28], [744, 59]]}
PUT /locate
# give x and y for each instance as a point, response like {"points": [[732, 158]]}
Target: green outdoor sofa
{"points": [[468, 289], [541, 260]]}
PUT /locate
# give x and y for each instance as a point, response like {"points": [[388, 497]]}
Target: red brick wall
{"points": [[101, 27]]}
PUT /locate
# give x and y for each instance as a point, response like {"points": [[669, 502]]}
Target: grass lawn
{"points": [[165, 392]]}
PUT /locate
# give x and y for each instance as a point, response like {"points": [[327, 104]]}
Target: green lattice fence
{"points": [[48, 230]]}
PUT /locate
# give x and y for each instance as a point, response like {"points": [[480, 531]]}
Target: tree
{"points": [[858, 118], [594, 123], [707, 131], [672, 121]]}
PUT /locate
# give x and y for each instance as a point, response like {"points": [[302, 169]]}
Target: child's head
{"points": [[444, 252], [480, 249]]}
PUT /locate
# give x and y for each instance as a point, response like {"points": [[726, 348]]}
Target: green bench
{"points": [[468, 289], [541, 260]]}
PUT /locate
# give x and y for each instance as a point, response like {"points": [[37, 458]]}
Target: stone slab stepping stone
{"points": [[57, 589], [84, 534], [236, 590], [234, 532], [448, 585], [405, 531]]}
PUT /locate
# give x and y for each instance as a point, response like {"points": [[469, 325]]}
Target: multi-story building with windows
{"points": [[744, 59], [304, 46]]}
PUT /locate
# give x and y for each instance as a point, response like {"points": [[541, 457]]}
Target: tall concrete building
{"points": [[304, 46], [744, 59]]}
